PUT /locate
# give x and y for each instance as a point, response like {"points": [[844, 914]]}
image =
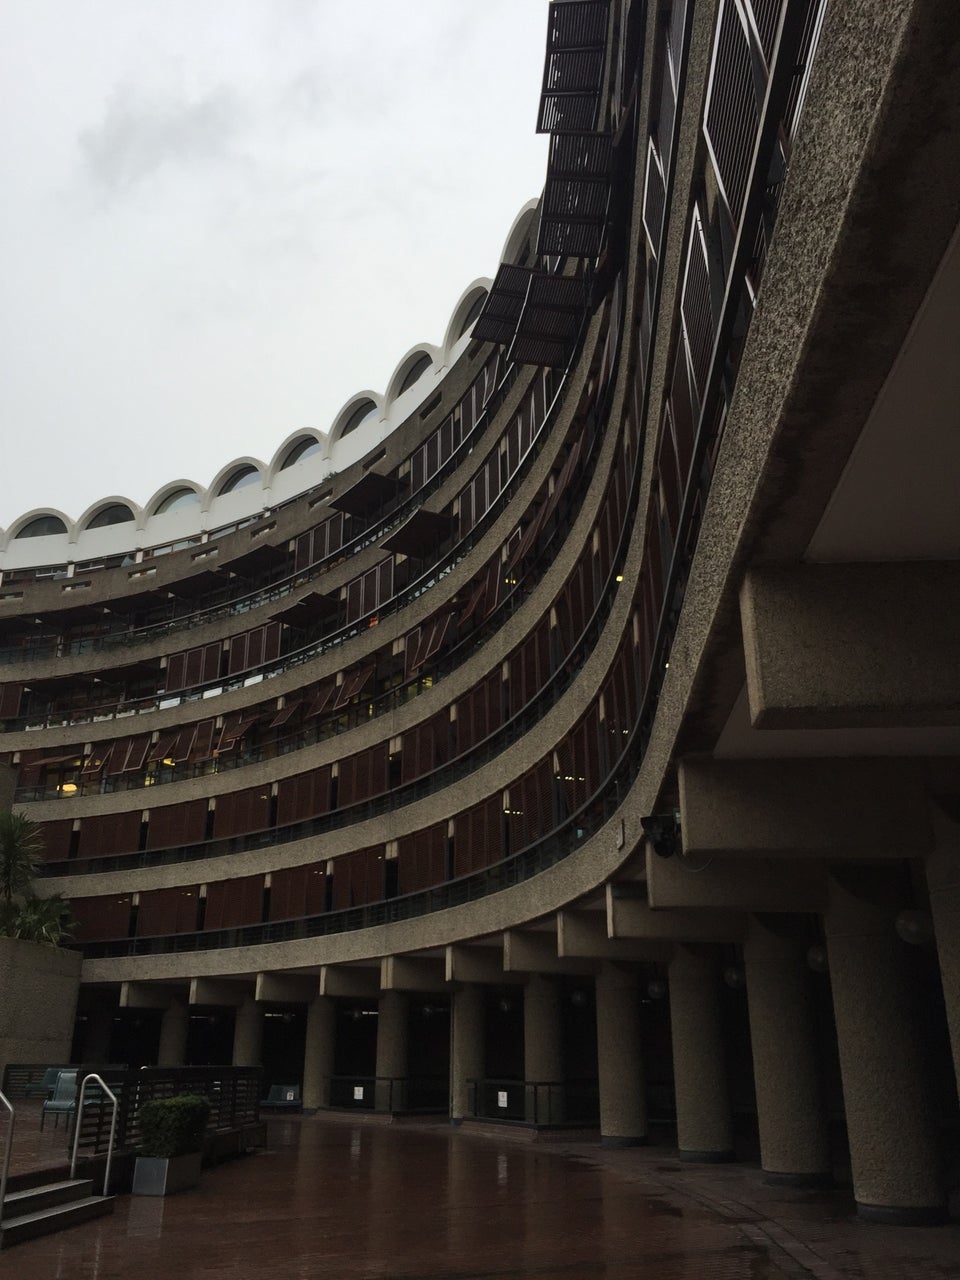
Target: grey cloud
{"points": [[139, 135]]}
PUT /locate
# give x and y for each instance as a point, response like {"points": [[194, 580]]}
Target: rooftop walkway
{"points": [[340, 1199]]}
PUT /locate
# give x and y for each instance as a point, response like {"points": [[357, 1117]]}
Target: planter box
{"points": [[159, 1176]]}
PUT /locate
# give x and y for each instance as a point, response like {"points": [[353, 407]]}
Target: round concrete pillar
{"points": [[392, 1038], [466, 1048], [248, 1034], [318, 1052], [542, 1050], [623, 1103], [704, 1124], [897, 1175], [943, 881], [790, 1111], [174, 1026]]}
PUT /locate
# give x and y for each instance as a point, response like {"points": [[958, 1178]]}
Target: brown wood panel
{"points": [[297, 892], [231, 903], [242, 811], [177, 824], [109, 834], [166, 911], [101, 919], [56, 839]]}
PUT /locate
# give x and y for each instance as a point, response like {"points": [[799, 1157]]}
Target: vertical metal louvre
{"points": [[732, 117], [696, 312]]}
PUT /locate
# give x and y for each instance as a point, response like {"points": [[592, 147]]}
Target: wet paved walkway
{"points": [[332, 1199]]}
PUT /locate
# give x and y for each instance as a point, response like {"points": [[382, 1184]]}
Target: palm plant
{"points": [[21, 844], [23, 913]]}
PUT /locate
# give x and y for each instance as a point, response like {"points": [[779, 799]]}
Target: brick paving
{"points": [[339, 1199]]}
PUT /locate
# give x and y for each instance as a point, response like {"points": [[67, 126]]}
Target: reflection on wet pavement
{"points": [[332, 1199]]}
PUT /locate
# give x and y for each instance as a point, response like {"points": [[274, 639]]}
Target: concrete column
{"points": [[893, 1150], [318, 1052], [704, 1122], [542, 1050], [623, 1103], [392, 1038], [96, 1036], [943, 881], [466, 1047], [248, 1034], [174, 1026], [792, 1120]]}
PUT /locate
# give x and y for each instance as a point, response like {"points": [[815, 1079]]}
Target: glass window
{"points": [[176, 500], [305, 448], [41, 526], [117, 513], [414, 373], [239, 479], [363, 410]]}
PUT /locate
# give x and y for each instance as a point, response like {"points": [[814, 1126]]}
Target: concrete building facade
{"points": [[585, 750]]}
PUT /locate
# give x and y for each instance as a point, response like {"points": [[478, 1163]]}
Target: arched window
{"points": [[475, 308], [239, 479], [42, 526], [362, 411], [415, 372], [177, 500], [116, 513], [305, 448]]}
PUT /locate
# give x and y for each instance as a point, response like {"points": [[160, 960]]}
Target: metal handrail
{"points": [[77, 1122], [6, 1154]]}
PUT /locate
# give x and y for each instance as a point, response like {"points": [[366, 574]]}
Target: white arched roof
{"points": [[115, 500], [478, 289], [412, 357], [345, 414], [256, 496], [226, 472]]}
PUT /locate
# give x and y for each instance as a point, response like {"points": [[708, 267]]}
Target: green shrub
{"points": [[173, 1126]]}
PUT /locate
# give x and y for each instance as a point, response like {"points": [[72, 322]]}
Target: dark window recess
{"points": [[272, 813], [144, 831], [74, 850], [391, 878], [208, 825], [132, 927], [328, 892], [265, 912]]}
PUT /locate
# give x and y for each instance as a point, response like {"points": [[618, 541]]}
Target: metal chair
{"points": [[45, 1086], [64, 1100]]}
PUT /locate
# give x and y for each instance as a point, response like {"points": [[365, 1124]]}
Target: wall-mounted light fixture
{"points": [[663, 832]]}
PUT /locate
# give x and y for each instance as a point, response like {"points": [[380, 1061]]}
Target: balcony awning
{"points": [[573, 67], [497, 321], [258, 559], [424, 531], [371, 492], [197, 585], [309, 608]]}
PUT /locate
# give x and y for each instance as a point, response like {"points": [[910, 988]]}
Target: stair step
{"points": [[28, 1226], [17, 1203]]}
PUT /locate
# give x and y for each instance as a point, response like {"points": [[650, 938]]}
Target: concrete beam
{"points": [[631, 917], [476, 964], [350, 981], [219, 991], [748, 884], [537, 953], [286, 988], [583, 935], [412, 973], [852, 645], [845, 808], [150, 995]]}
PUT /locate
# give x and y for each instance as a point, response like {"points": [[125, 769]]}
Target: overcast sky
{"points": [[221, 218]]}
